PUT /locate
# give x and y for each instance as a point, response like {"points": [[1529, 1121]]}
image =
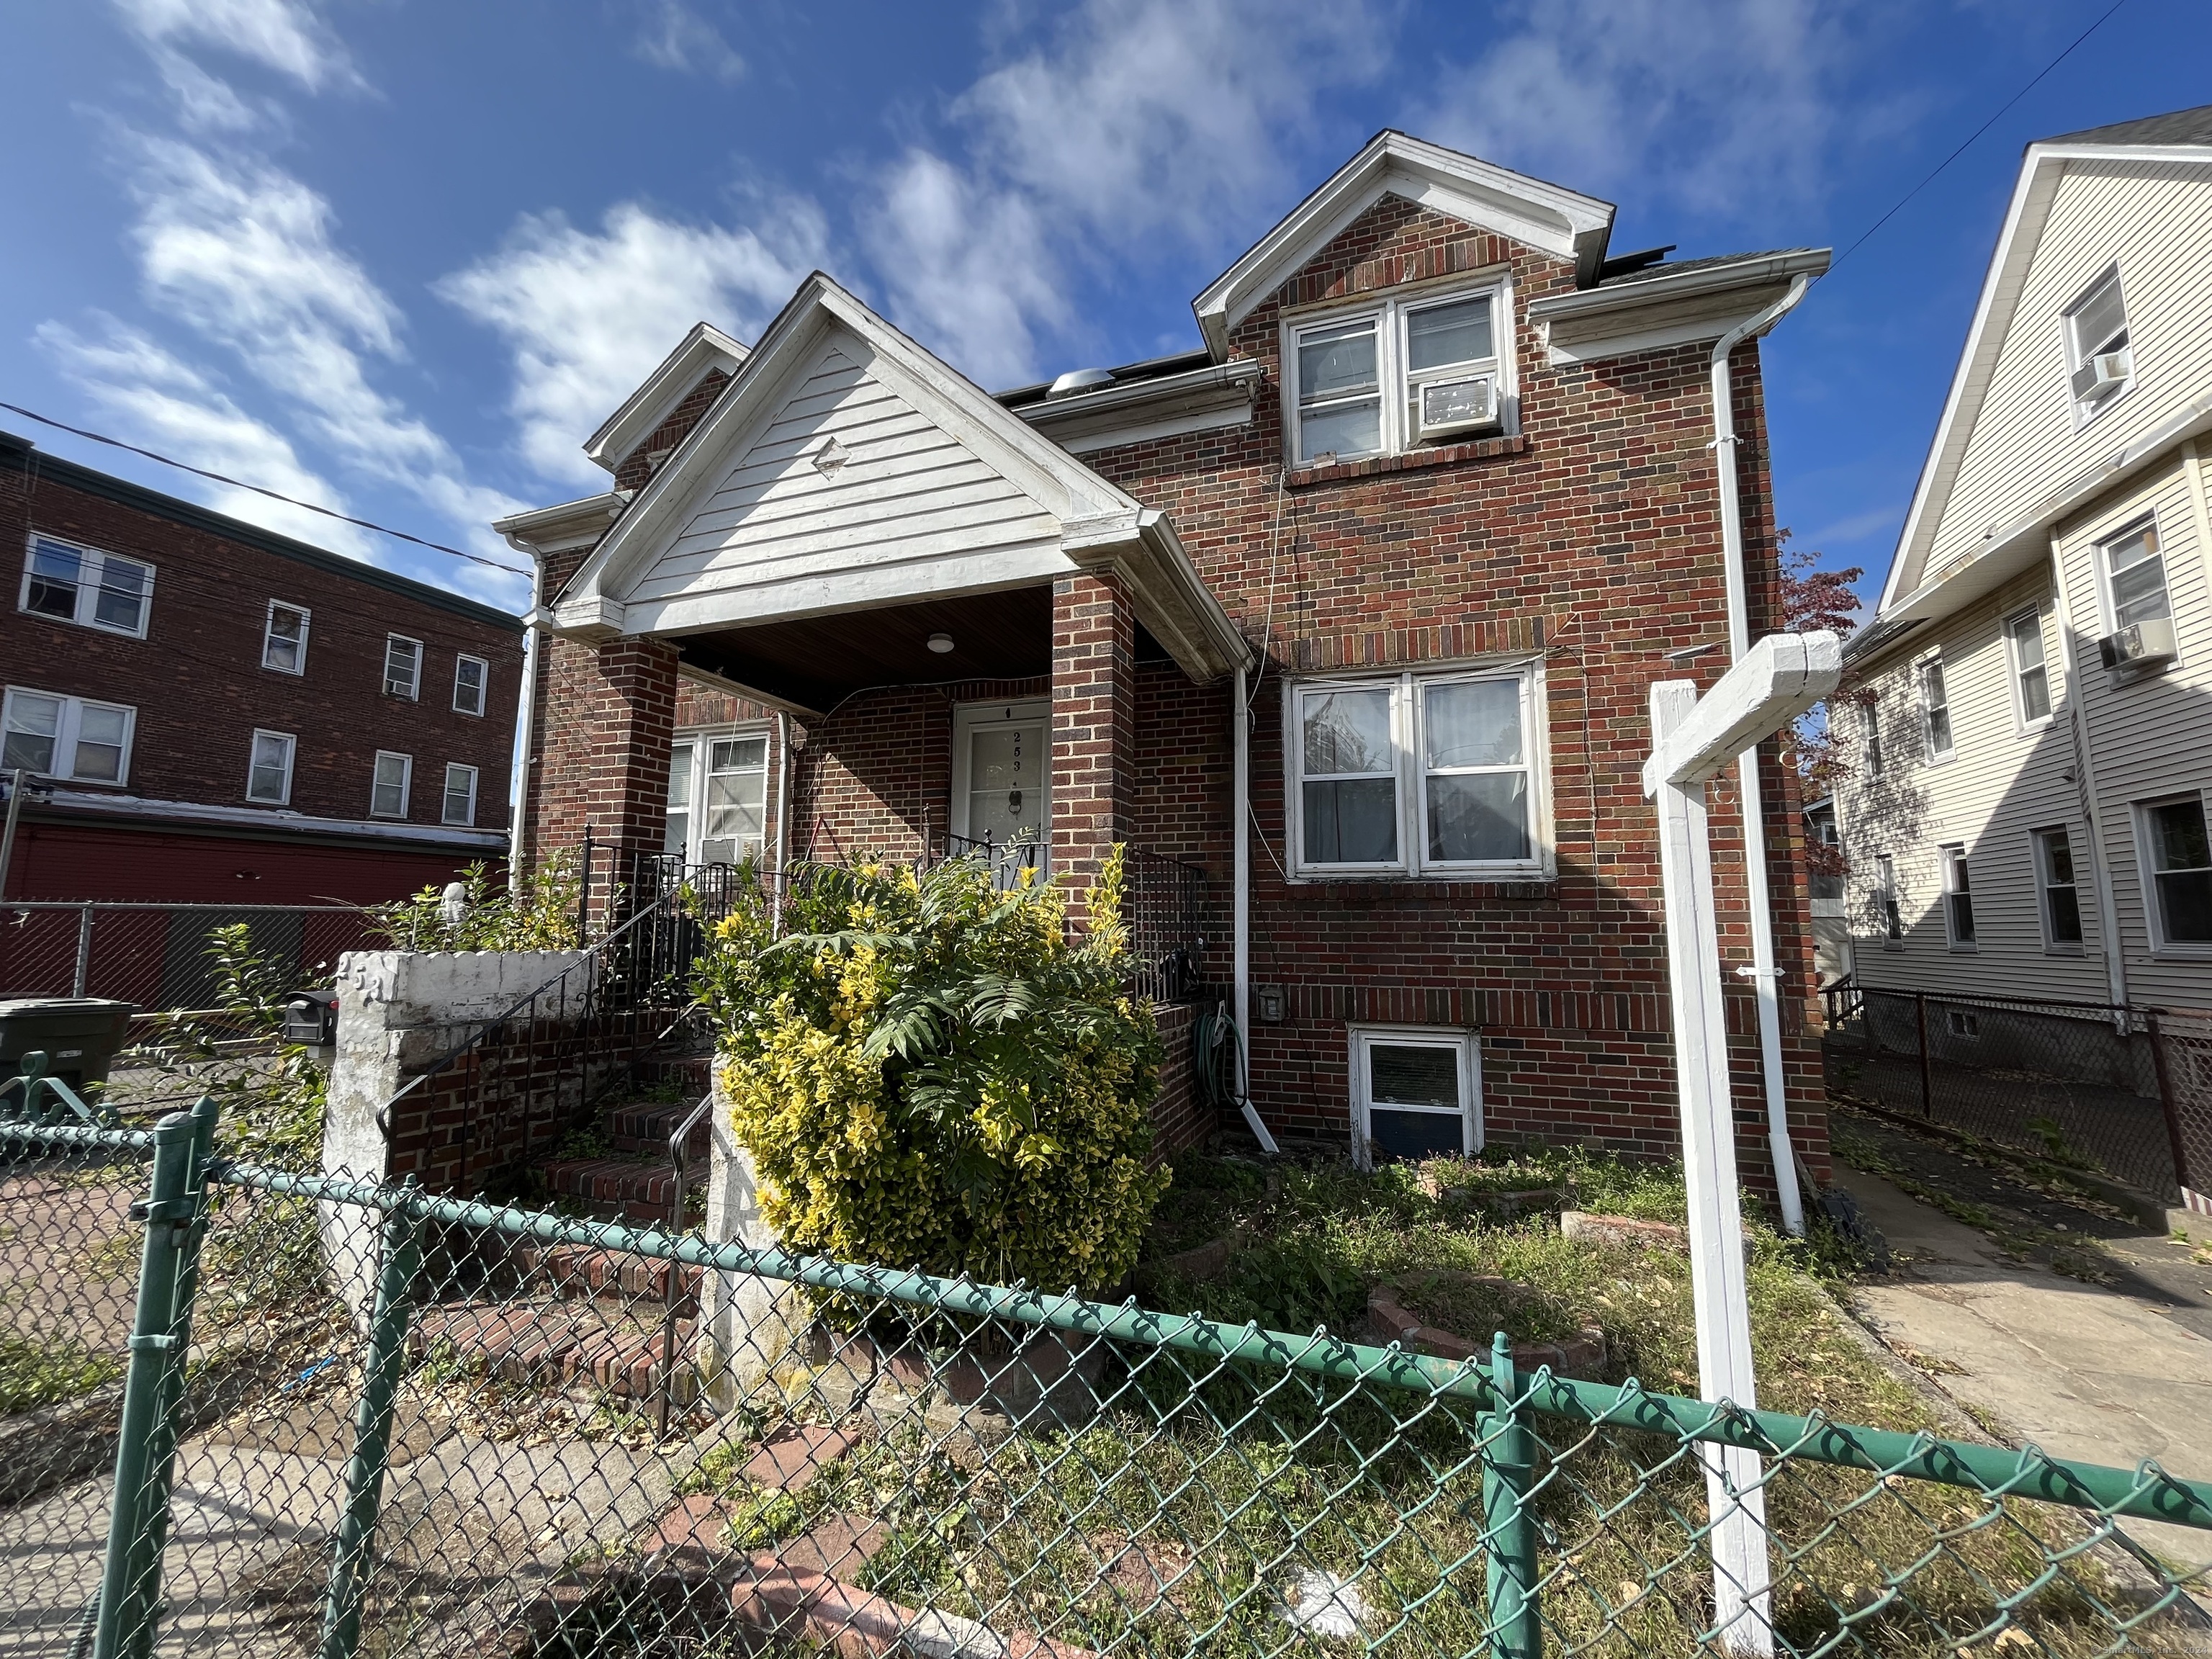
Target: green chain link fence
{"points": [[349, 1418]]}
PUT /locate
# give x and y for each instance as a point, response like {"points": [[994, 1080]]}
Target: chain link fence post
{"points": [[1517, 1626], [83, 953], [351, 1562], [2168, 1104], [1920, 1025]]}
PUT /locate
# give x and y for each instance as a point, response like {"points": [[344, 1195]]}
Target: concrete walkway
{"points": [[2081, 1371]]}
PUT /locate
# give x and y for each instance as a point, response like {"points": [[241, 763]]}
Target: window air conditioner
{"points": [[1454, 406], [2139, 644], [2101, 376]]}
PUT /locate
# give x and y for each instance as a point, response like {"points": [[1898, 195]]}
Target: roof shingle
{"points": [[2182, 126]]}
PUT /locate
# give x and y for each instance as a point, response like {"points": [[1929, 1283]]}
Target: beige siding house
{"points": [[2030, 757]]}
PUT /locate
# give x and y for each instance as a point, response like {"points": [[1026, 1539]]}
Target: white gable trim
{"points": [[1548, 216], [704, 350]]}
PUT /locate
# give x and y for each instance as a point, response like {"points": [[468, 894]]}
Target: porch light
{"points": [[940, 643]]}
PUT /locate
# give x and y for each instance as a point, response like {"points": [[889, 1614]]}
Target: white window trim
{"points": [[445, 796], [484, 684], [966, 718], [1886, 898], [2100, 566], [698, 737], [1929, 753], [291, 761], [94, 559], [2147, 877], [1469, 1045], [1390, 312], [406, 783], [269, 634], [1870, 736], [1950, 857], [2023, 724], [2039, 869], [66, 728], [1412, 863], [2086, 414], [414, 693]]}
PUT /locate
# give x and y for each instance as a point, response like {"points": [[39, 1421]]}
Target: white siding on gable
{"points": [[897, 491], [2155, 222]]}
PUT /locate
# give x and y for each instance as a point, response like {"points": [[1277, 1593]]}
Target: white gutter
{"points": [[1763, 973], [783, 820], [1241, 905], [533, 646]]}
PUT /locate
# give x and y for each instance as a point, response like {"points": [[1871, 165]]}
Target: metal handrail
{"points": [[671, 1292]]}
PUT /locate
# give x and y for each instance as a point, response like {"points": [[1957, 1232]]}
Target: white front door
{"points": [[1002, 780]]}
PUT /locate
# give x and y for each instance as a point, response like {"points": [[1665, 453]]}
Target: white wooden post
{"points": [[1775, 681]]}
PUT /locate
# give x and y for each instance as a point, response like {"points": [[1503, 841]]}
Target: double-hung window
{"points": [[717, 797], [1958, 898], [461, 803], [1885, 898], [1433, 774], [1410, 372], [2062, 897], [70, 738], [470, 675], [1870, 734], [390, 785], [1935, 710], [403, 666], [2180, 855], [2100, 361], [2135, 577], [268, 772], [84, 585], [2031, 668], [284, 639]]}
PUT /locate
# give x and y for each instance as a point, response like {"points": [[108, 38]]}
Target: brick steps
{"points": [[575, 1271], [644, 1125], [633, 1189], [557, 1344]]}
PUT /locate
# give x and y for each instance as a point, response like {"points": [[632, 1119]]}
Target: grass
{"points": [[33, 1373]]}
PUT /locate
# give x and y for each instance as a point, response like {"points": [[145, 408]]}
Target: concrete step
{"points": [[644, 1125], [639, 1190], [572, 1270], [576, 1346]]}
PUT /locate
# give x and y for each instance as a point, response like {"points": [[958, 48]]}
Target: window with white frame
{"points": [[2100, 361], [2031, 668], [1870, 734], [403, 666], [389, 789], [284, 639], [84, 585], [268, 772], [1433, 773], [1885, 898], [1416, 1092], [1957, 897], [717, 797], [2179, 854], [1935, 710], [2061, 895], [2134, 569], [461, 803], [68, 737], [677, 838], [471, 676], [1413, 370]]}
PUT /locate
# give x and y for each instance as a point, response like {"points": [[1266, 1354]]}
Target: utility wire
{"points": [[238, 483], [1975, 134]]}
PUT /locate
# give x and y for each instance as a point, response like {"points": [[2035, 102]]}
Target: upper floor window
{"points": [[470, 675], [1934, 709], [390, 785], [403, 666], [284, 639], [2135, 577], [1958, 898], [461, 803], [2097, 357], [1885, 898], [1870, 732], [268, 774], [2179, 854], [1422, 775], [2031, 670], [84, 585], [71, 738], [1407, 372]]}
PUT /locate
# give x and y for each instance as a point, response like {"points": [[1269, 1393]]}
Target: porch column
{"points": [[1094, 733], [608, 715]]}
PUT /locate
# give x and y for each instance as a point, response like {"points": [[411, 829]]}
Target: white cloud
{"points": [[589, 315], [1713, 104], [283, 35], [677, 38]]}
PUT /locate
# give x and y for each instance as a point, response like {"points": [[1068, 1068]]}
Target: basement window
{"points": [[1416, 1092]]}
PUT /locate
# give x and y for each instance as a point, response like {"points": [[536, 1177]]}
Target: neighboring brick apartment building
{"points": [[1436, 501], [214, 713]]}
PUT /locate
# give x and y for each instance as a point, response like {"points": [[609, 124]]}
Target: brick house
{"points": [[210, 713], [1353, 610]]}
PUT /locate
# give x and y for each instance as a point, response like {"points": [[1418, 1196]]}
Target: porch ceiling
{"points": [[814, 662]]}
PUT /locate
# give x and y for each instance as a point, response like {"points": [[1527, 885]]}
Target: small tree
{"points": [[1814, 599], [928, 1071]]}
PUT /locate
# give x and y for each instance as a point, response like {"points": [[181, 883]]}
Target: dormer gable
{"points": [[705, 354]]}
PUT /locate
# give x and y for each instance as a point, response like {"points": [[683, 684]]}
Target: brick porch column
{"points": [[607, 717], [1094, 735]]}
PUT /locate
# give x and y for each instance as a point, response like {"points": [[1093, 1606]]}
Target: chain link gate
{"points": [[359, 1418]]}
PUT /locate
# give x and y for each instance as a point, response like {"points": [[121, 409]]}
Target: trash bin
{"points": [[78, 1034]]}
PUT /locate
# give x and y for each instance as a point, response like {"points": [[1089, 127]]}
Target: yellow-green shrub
{"points": [[928, 1072]]}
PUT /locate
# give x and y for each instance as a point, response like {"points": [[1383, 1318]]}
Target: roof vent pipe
{"points": [[1079, 379]]}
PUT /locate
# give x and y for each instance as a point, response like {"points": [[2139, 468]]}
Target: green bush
{"points": [[928, 1072], [538, 913]]}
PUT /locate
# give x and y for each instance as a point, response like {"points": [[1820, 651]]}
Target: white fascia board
{"points": [[1167, 593], [797, 598], [273, 817], [1703, 306], [560, 528], [701, 352], [591, 617], [1557, 221], [1767, 269]]}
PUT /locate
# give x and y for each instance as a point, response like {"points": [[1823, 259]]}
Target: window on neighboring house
{"points": [[461, 803], [86, 587], [2098, 359], [734, 804], [1957, 899], [387, 794], [1935, 710], [2031, 673], [1964, 1022], [676, 839], [470, 675], [1870, 731], [1416, 1093], [1426, 774], [2180, 858], [2062, 898], [68, 737], [268, 773], [1885, 898], [1404, 374], [403, 666], [284, 639], [2135, 577]]}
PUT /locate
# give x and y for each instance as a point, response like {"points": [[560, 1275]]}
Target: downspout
{"points": [[2085, 786], [782, 819], [1763, 973], [1240, 924], [533, 646]]}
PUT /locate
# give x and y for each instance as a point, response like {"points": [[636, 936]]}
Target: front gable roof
{"points": [[1559, 221], [705, 350]]}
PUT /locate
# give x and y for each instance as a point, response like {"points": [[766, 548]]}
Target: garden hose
{"points": [[1223, 1075]]}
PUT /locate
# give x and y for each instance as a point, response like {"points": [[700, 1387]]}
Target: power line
{"points": [[238, 483], [1976, 133]]}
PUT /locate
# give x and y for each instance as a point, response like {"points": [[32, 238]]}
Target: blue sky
{"points": [[401, 256]]}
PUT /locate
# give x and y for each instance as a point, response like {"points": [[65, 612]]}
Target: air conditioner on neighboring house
{"points": [[2101, 376], [1449, 407], [2139, 644]]}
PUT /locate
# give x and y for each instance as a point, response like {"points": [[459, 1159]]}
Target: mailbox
{"points": [[311, 1017]]}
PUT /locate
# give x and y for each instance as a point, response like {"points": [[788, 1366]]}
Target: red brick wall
{"points": [[1179, 1119], [1094, 725], [634, 468]]}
